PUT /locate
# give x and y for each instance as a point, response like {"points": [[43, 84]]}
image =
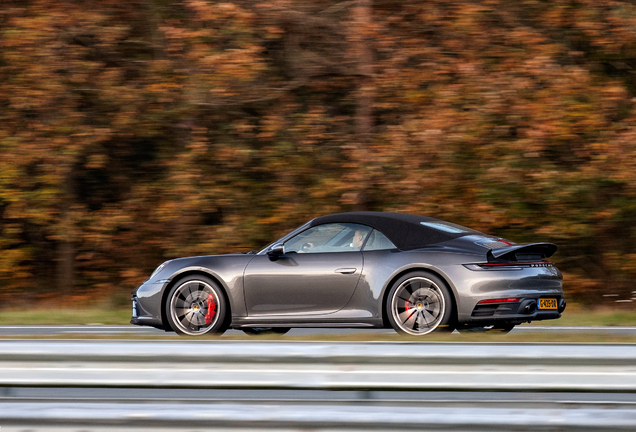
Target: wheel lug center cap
{"points": [[195, 307], [420, 305]]}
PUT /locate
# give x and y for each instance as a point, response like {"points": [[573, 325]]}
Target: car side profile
{"points": [[413, 273]]}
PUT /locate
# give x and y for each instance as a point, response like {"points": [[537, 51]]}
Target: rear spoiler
{"points": [[523, 252]]}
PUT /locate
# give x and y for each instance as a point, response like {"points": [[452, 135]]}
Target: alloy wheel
{"points": [[418, 306], [194, 307]]}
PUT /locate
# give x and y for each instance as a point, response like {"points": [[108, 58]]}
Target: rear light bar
{"points": [[508, 265], [516, 264], [499, 300]]}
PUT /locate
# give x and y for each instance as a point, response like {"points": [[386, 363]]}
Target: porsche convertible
{"points": [[415, 274]]}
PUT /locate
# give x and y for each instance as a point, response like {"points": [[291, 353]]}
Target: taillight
{"points": [[499, 300], [508, 265]]}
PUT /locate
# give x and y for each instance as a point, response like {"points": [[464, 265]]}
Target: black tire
{"points": [[429, 299], [257, 331], [196, 305]]}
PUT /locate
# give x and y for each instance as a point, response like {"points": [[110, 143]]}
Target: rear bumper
{"points": [[528, 284], [525, 310]]}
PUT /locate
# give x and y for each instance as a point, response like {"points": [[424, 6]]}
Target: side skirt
{"points": [[260, 322]]}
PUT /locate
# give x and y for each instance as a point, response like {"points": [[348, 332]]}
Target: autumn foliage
{"points": [[139, 131]]}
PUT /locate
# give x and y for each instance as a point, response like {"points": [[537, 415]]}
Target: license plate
{"points": [[548, 303]]}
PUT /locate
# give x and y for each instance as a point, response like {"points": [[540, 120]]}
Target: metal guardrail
{"points": [[405, 367], [321, 417], [323, 352]]}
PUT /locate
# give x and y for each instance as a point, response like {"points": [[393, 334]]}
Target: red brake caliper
{"points": [[211, 309], [406, 306]]}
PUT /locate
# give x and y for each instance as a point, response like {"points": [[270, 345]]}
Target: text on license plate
{"points": [[547, 303]]}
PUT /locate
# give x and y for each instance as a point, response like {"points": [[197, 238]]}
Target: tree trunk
{"points": [[65, 261], [364, 100], [65, 266], [362, 19]]}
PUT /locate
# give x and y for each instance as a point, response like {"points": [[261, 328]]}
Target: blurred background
{"points": [[132, 132]]}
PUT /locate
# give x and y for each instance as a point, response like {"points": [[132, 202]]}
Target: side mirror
{"points": [[276, 251]]}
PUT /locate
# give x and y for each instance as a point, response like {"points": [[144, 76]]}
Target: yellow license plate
{"points": [[547, 303]]}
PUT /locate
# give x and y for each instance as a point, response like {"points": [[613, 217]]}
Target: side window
{"points": [[378, 241], [334, 237]]}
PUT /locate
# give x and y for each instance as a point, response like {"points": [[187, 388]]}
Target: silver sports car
{"points": [[362, 269]]}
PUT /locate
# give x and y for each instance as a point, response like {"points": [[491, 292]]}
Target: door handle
{"points": [[345, 270]]}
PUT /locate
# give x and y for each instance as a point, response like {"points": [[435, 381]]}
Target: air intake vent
{"points": [[493, 244]]}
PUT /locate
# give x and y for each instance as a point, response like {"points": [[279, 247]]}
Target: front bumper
{"points": [[146, 306], [136, 319]]}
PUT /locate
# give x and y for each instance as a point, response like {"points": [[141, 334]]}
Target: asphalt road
{"points": [[105, 330]]}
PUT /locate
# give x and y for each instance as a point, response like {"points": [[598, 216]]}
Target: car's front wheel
{"points": [[420, 303], [196, 306]]}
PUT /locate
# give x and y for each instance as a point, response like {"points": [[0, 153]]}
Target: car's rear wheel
{"points": [[196, 306], [257, 331], [420, 303]]}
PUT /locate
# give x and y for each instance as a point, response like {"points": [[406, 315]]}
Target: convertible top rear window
{"points": [[454, 229]]}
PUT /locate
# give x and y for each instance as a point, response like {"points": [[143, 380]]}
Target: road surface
{"points": [[106, 330]]}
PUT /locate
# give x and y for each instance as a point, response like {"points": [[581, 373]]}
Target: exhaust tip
{"points": [[562, 305], [530, 308]]}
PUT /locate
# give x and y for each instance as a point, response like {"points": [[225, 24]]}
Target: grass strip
{"points": [[65, 316]]}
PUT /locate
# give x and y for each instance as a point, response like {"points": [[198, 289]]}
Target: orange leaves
{"points": [[218, 11], [207, 127]]}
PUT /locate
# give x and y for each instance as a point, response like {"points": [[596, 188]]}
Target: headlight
{"points": [[158, 269]]}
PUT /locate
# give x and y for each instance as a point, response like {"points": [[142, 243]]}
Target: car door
{"points": [[317, 274]]}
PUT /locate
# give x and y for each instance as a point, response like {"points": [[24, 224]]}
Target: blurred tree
{"points": [[81, 123], [140, 131]]}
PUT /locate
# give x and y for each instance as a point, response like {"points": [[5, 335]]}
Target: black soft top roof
{"points": [[404, 230]]}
